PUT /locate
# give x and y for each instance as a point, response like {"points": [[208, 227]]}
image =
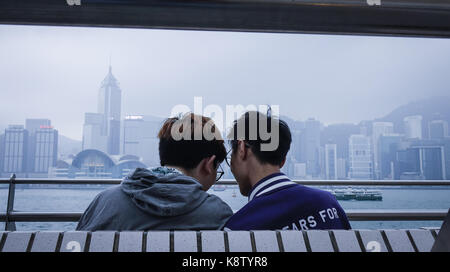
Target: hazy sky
{"points": [[55, 72]]}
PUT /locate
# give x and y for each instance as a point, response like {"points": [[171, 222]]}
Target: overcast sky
{"points": [[55, 72]]}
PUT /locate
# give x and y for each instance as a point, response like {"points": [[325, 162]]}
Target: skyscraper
{"points": [[45, 151], [296, 150], [140, 138], [424, 161], [413, 127], [92, 132], [101, 130], [407, 164], [42, 145], [438, 129], [360, 157], [132, 138], [311, 146], [32, 125], [109, 104], [379, 129], [2, 147], [14, 150], [387, 150], [446, 144], [341, 168], [331, 161], [432, 162]]}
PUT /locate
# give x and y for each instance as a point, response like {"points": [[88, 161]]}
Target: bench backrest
{"points": [[220, 241]]}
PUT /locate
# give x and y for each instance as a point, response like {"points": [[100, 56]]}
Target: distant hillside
{"points": [[430, 109], [68, 146]]}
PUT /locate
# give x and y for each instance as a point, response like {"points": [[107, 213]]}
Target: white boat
{"points": [[219, 188]]}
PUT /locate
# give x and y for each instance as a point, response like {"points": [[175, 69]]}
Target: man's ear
{"points": [[283, 162], [242, 152], [208, 164]]}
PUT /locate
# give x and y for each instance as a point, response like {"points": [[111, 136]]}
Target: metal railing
{"points": [[11, 216]]}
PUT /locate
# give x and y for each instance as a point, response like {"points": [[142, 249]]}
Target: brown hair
{"points": [[182, 141]]}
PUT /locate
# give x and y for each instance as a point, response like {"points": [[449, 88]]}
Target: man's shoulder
{"points": [[292, 196], [215, 202], [110, 190], [296, 192], [311, 192], [109, 193]]}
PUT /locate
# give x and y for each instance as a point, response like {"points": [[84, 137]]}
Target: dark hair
{"points": [[188, 153], [275, 157]]}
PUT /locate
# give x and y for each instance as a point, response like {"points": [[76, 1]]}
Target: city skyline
{"points": [[155, 117], [376, 154], [335, 79]]}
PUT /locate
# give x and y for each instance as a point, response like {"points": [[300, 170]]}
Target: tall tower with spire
{"points": [[109, 105]]}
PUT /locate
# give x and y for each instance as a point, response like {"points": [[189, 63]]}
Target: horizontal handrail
{"points": [[396, 215], [233, 182], [12, 216], [353, 215]]}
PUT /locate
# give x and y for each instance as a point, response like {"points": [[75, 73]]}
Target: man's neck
{"points": [[261, 171], [180, 169]]}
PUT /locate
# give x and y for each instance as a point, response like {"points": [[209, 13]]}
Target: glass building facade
{"points": [[387, 148], [360, 157], [46, 149], [14, 150]]}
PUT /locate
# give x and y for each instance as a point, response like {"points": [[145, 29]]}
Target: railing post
{"points": [[10, 226]]}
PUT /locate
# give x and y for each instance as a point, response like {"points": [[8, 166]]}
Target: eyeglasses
{"points": [[228, 156], [220, 172]]}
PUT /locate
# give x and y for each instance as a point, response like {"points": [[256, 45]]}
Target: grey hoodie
{"points": [[158, 199]]}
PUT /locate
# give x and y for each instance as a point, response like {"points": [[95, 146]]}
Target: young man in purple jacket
{"points": [[259, 145]]}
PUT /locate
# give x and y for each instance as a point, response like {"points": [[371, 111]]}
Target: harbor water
{"points": [[77, 199]]}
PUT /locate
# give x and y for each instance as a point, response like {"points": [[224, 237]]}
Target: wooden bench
{"points": [[414, 240]]}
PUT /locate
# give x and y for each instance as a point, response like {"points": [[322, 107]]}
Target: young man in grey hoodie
{"points": [[170, 197]]}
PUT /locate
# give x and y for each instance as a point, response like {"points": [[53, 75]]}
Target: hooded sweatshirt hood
{"points": [[163, 191]]}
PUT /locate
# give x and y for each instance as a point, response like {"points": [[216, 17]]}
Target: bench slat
{"points": [[239, 241], [423, 239], [185, 241], [346, 241], [399, 241], [213, 241], [74, 241], [436, 232], [17, 241], [158, 241], [319, 241], [102, 241], [266, 241], [1, 235], [293, 241], [130, 241], [368, 238], [45, 241]]}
